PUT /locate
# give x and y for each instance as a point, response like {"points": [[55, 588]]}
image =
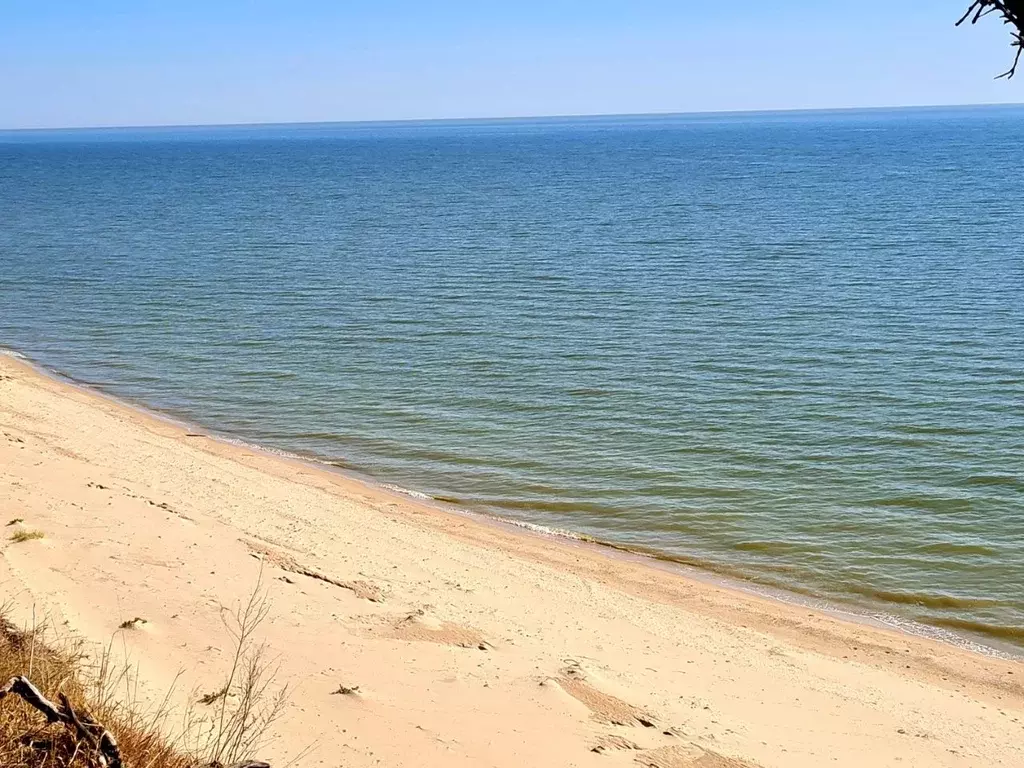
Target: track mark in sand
{"points": [[689, 756], [159, 505], [603, 706], [168, 508], [417, 626], [13, 438], [613, 743], [361, 589]]}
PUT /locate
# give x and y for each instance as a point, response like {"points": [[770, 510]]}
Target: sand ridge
{"points": [[468, 644]]}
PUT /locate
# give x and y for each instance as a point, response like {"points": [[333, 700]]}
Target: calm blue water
{"points": [[789, 347]]}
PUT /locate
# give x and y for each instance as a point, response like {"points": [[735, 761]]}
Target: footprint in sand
{"points": [[676, 756], [688, 756], [13, 438], [603, 707], [418, 626], [611, 710], [613, 743]]}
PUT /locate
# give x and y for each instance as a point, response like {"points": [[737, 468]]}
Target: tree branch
{"points": [[1012, 12], [88, 730]]}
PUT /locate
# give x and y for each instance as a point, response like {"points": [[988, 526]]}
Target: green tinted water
{"points": [[788, 347]]}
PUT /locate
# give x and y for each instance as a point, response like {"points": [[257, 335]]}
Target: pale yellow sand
{"points": [[471, 644]]}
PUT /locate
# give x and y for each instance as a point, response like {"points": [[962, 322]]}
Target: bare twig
{"points": [[1012, 12], [248, 706]]}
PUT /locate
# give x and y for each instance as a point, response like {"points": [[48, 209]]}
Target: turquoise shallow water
{"points": [[789, 347]]}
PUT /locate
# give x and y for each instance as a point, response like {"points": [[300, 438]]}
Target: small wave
{"points": [[708, 491], [945, 635], [902, 442], [449, 499], [936, 503], [261, 448], [551, 505], [589, 392], [927, 600], [1007, 481], [317, 436], [407, 492], [543, 529], [1014, 633], [767, 547], [278, 375], [8, 352], [954, 548], [928, 429]]}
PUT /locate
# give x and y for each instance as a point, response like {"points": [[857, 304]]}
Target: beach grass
{"points": [[19, 536], [39, 664], [27, 740]]}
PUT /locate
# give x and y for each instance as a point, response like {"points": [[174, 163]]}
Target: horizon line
{"points": [[503, 118]]}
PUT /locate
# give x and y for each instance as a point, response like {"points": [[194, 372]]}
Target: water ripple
{"points": [[785, 348]]}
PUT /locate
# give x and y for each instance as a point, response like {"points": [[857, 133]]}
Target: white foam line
{"points": [[543, 529], [407, 492]]}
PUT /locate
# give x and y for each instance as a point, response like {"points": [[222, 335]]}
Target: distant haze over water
{"points": [[789, 347]]}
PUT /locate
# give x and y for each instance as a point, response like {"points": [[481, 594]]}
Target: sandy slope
{"points": [[472, 645]]}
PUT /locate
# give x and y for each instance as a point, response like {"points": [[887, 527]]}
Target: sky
{"points": [[67, 63]]}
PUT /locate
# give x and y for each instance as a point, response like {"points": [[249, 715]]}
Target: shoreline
{"points": [[714, 574], [472, 643]]}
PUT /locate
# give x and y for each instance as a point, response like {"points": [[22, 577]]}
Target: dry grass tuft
{"points": [[248, 703], [28, 741], [15, 521], [19, 536]]}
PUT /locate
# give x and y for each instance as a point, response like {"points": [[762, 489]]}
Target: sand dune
{"points": [[461, 642]]}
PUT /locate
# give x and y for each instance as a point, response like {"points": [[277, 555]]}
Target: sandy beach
{"points": [[471, 644]]}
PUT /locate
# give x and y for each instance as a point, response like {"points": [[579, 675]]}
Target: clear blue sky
{"points": [[148, 62]]}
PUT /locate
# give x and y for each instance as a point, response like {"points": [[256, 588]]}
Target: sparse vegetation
{"points": [[27, 740], [15, 521], [132, 623], [213, 697], [19, 536], [82, 696], [249, 706]]}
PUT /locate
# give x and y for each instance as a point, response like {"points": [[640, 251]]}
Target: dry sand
{"points": [[471, 644]]}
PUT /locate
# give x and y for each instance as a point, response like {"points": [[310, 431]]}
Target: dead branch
{"points": [[92, 733], [98, 738], [1012, 12]]}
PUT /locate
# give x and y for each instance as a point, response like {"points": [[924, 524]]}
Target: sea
{"points": [[785, 348]]}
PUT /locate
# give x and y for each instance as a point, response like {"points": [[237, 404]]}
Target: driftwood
{"points": [[98, 738]]}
